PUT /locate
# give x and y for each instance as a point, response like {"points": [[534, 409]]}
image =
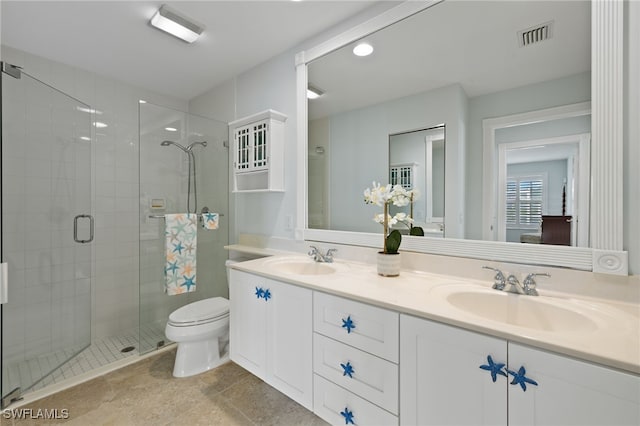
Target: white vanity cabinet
{"points": [[571, 392], [355, 362], [258, 152], [442, 382], [271, 333]]}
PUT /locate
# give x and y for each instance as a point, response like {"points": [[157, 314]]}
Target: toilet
{"points": [[201, 330]]}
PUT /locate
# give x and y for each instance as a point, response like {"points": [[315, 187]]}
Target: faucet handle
{"points": [[330, 252], [529, 283], [313, 251], [499, 279]]}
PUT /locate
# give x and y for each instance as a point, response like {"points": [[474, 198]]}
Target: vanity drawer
{"points": [[372, 329], [334, 404], [366, 375]]}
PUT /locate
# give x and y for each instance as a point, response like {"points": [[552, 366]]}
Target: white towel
{"points": [[210, 220], [180, 248]]}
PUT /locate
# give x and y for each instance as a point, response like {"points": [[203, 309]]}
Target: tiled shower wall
{"points": [[163, 175], [114, 183]]}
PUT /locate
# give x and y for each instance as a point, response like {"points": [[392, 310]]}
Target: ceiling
{"points": [[114, 39], [470, 43]]}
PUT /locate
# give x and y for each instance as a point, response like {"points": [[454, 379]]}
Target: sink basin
{"points": [[301, 267], [538, 313]]}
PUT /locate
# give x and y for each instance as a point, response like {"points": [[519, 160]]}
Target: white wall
{"points": [[271, 84], [114, 186]]}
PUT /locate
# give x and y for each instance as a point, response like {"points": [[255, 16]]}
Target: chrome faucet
{"points": [[316, 254], [511, 284], [529, 283], [499, 280]]}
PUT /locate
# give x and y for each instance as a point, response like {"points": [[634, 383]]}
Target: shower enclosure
{"points": [[61, 316], [47, 228], [183, 169]]}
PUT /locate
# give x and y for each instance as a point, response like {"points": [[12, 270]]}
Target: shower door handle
{"points": [[4, 283], [75, 228]]}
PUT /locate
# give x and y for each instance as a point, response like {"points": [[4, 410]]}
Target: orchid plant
{"points": [[385, 196]]}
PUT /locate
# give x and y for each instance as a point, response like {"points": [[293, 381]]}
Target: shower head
{"points": [[191, 145], [167, 143]]}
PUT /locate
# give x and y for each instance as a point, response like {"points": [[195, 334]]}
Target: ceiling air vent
{"points": [[535, 34]]}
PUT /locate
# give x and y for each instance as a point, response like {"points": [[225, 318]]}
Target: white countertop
{"points": [[613, 338]]}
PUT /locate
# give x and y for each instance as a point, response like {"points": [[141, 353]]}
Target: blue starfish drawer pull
{"points": [[348, 324], [267, 294], [520, 378], [348, 369], [348, 416], [259, 292], [494, 367]]}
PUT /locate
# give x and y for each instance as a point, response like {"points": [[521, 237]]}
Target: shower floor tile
{"points": [[101, 353]]}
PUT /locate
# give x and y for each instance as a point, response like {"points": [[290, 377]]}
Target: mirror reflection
{"points": [[417, 163], [457, 64]]}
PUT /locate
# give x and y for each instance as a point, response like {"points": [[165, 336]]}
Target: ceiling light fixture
{"points": [[172, 22], [313, 92], [363, 49]]}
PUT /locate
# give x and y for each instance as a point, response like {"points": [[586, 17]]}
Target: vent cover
{"points": [[535, 34]]}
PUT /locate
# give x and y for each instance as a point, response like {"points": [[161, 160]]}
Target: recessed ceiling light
{"points": [[313, 92], [100, 124], [176, 24], [142, 101], [363, 49], [171, 129]]}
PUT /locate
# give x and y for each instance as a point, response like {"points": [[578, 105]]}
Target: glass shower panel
{"points": [[165, 189], [46, 212]]}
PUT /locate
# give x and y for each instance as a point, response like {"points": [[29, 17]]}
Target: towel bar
{"points": [[161, 216]]}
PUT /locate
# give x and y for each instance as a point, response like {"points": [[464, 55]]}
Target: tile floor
{"points": [[146, 393]]}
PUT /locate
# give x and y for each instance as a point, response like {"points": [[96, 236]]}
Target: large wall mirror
{"points": [[508, 86]]}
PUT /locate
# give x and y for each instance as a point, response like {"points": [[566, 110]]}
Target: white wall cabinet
{"points": [[258, 152], [442, 382], [271, 333]]}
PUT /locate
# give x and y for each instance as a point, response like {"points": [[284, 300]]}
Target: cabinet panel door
{"points": [[290, 336], [441, 382], [247, 322], [570, 392]]}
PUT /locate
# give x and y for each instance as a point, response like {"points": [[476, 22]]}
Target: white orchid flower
{"points": [[403, 217]]}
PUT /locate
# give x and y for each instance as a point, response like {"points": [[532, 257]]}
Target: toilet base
{"points": [[197, 357]]}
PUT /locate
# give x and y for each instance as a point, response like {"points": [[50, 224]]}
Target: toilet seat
{"points": [[200, 312]]}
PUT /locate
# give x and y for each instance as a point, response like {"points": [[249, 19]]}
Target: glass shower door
{"points": [[46, 230]]}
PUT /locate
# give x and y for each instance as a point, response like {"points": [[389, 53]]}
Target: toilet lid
{"points": [[200, 311]]}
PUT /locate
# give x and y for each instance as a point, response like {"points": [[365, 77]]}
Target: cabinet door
{"points": [[242, 149], [247, 322], [441, 382], [569, 392], [289, 343]]}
